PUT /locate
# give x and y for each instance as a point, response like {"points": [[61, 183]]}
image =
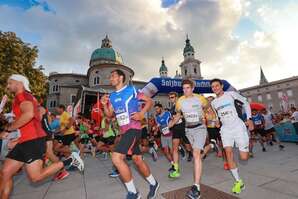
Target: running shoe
{"points": [[251, 154], [226, 166], [153, 154], [182, 152], [61, 175], [271, 143], [281, 147], [264, 149], [131, 195], [174, 174], [238, 187], [172, 168], [193, 193], [153, 190], [77, 161], [114, 173]]}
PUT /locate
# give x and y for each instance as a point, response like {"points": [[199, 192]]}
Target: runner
{"points": [[233, 129], [192, 107], [29, 148], [269, 128], [179, 136], [162, 119], [124, 102], [258, 121]]}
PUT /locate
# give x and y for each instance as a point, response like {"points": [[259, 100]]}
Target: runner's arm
{"points": [[148, 104], [27, 115], [242, 99]]}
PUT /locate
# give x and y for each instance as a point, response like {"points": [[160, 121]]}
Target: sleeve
{"points": [[203, 100], [138, 94], [178, 105], [242, 99]]}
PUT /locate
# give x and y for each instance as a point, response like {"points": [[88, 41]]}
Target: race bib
{"points": [[258, 122], [123, 118], [227, 115], [165, 130], [193, 117], [211, 123]]}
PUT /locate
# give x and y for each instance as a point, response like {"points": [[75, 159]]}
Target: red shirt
{"points": [[33, 129]]}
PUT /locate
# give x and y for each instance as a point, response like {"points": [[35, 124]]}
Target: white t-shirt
{"points": [[295, 116], [268, 121], [226, 110]]}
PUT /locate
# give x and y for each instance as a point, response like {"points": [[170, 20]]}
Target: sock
{"points": [[235, 174], [176, 166], [151, 180], [198, 186], [131, 187], [172, 163], [67, 162]]}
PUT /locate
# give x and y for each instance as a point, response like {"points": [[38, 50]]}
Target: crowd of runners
{"points": [[45, 144]]}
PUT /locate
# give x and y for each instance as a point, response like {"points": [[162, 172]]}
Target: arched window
{"points": [[96, 80], [195, 70], [185, 71]]}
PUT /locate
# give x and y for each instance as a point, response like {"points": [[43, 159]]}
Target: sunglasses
{"points": [[172, 97]]}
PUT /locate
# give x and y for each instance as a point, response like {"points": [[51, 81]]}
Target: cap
{"points": [[21, 78]]}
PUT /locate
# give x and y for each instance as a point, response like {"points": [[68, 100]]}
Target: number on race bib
{"points": [[165, 130], [192, 117], [123, 119]]}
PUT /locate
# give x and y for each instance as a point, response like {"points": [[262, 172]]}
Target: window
{"points": [[77, 80], [55, 88], [268, 96], [260, 98], [185, 71], [72, 99], [195, 70], [290, 93], [280, 94], [53, 103], [96, 81]]}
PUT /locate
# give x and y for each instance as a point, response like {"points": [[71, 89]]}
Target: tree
{"points": [[17, 57]]}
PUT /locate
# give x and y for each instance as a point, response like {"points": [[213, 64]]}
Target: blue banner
{"points": [[286, 132], [166, 85]]}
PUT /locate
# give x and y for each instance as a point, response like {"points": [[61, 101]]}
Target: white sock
{"points": [[198, 186], [151, 180], [235, 174], [131, 187]]}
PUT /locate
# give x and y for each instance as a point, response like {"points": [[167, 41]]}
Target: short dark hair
{"points": [[158, 105], [188, 81], [216, 80], [173, 93], [120, 73], [62, 107]]}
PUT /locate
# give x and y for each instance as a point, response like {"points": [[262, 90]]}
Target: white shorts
{"points": [[235, 135]]}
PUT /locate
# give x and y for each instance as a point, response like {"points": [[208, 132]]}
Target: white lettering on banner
{"points": [[123, 118], [171, 83], [192, 117], [165, 130]]}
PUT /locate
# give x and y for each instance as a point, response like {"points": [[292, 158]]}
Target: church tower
{"points": [[190, 67], [263, 79], [163, 70]]}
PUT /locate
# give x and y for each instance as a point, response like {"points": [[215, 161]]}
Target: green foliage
{"points": [[17, 57]]}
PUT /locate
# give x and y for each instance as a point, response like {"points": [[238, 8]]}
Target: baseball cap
{"points": [[21, 78]]}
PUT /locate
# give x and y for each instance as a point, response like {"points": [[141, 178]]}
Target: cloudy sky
{"points": [[232, 38]]}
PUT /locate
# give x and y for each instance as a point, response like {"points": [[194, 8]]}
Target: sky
{"points": [[232, 38]]}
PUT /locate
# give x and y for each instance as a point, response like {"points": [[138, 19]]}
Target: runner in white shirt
{"points": [[233, 129], [269, 128]]}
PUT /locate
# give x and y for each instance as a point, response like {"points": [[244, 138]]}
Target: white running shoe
{"points": [[77, 161]]}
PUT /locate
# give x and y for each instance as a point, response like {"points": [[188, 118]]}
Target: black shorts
{"points": [[261, 132], [213, 134], [129, 143], [271, 130], [107, 141], [65, 139], [29, 151], [179, 132], [144, 133]]}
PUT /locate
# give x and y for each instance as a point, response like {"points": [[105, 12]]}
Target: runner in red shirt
{"points": [[27, 150]]}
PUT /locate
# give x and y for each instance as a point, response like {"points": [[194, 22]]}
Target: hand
{"points": [[137, 116], [12, 143], [104, 100], [4, 135], [250, 125]]}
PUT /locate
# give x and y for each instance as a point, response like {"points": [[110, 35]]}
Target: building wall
{"points": [[271, 94]]}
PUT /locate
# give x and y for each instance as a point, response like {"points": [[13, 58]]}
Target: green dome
{"points": [[163, 67], [106, 54], [188, 47]]}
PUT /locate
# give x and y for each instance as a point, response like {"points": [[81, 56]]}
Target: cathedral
{"points": [[71, 89]]}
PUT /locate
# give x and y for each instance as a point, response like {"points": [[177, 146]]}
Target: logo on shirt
{"points": [[118, 99], [223, 106]]}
